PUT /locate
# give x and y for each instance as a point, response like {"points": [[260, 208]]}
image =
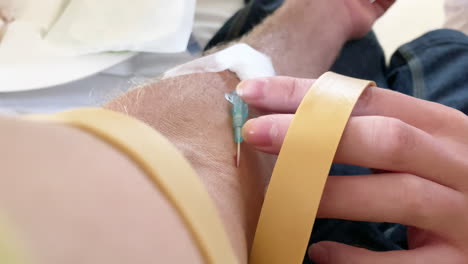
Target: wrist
{"points": [[301, 41], [333, 16]]}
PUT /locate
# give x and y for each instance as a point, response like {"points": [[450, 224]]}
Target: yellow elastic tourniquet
{"points": [[168, 169], [10, 250], [298, 180]]}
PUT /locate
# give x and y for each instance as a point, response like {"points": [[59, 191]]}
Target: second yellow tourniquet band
{"points": [[293, 196], [11, 250]]}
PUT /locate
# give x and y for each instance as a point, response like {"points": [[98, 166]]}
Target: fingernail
{"points": [[318, 253], [251, 89], [260, 132]]}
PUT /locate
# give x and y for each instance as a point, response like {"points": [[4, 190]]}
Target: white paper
{"points": [[24, 38], [10, 9], [47, 29], [23, 43], [42, 14], [93, 26]]}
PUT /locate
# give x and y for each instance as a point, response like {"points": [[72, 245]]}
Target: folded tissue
{"points": [[81, 27]]}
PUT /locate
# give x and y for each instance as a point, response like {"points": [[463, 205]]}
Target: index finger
{"points": [[284, 95]]}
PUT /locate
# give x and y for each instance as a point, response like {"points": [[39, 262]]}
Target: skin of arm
{"points": [[74, 199], [200, 127]]}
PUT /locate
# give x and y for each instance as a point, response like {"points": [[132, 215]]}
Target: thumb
{"points": [[382, 6]]}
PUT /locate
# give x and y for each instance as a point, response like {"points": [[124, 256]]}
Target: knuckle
{"points": [[394, 139], [414, 193], [427, 205], [453, 119], [292, 91], [291, 94]]}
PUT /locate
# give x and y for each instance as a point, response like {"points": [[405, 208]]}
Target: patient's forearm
{"points": [[192, 113], [301, 42]]}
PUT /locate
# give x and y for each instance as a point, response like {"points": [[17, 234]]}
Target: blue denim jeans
{"points": [[433, 67]]}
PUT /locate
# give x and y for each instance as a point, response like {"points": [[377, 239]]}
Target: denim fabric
{"points": [[433, 67], [363, 59]]}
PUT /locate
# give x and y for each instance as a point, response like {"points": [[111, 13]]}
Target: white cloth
{"points": [[138, 25], [80, 27], [10, 8], [95, 90]]}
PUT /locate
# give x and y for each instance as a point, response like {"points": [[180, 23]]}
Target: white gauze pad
{"points": [[241, 59]]}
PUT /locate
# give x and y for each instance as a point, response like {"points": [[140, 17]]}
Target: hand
{"points": [[362, 14], [357, 15], [423, 146]]}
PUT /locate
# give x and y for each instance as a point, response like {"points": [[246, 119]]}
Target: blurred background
{"points": [[410, 18]]}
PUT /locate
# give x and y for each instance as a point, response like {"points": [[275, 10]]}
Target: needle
{"points": [[239, 112], [238, 155]]}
